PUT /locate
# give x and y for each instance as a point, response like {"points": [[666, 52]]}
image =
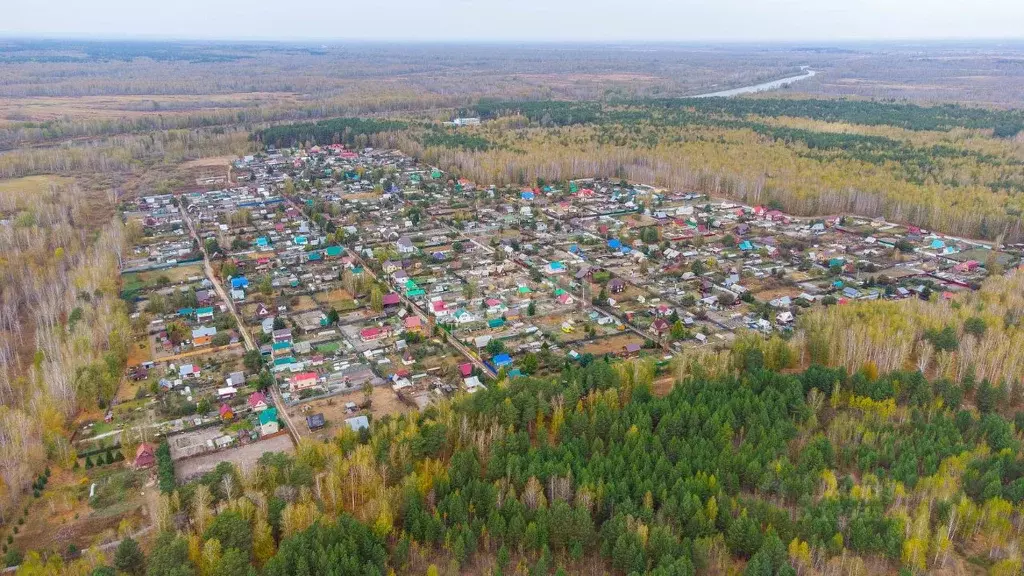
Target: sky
{"points": [[517, 20]]}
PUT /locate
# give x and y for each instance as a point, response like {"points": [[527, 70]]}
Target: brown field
{"points": [[303, 304], [139, 352], [662, 386], [611, 344], [384, 401], [243, 456], [209, 162], [766, 295], [42, 109]]}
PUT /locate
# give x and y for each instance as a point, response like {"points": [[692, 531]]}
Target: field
{"points": [[176, 274], [611, 344], [243, 456], [65, 515], [140, 351], [32, 185], [338, 299], [383, 400]]}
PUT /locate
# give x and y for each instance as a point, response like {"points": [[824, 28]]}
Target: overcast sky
{"points": [[517, 20]]}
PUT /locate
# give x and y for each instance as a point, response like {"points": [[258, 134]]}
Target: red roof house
{"points": [[145, 456]]}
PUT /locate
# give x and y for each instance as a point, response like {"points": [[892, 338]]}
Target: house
{"points": [[239, 282], [473, 384], [358, 423], [495, 307], [784, 317], [145, 456], [501, 360], [204, 314], [414, 324], [226, 413], [268, 422], [226, 393], [617, 285], [374, 333], [463, 316], [659, 326], [282, 335], [630, 350], [405, 246], [555, 268], [466, 369], [566, 299], [392, 299], [315, 422], [257, 401], [188, 371], [302, 381]]}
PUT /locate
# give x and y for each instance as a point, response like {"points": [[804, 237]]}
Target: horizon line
{"points": [[6, 36]]}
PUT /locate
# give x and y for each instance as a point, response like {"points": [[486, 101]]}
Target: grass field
{"points": [[32, 184], [338, 299]]}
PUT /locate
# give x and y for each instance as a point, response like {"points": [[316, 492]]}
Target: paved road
{"points": [[250, 344]]}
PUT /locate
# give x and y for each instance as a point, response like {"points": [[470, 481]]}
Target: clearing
{"points": [[243, 456], [383, 401]]}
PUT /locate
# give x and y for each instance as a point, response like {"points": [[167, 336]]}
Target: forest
{"points": [[749, 471], [957, 169]]}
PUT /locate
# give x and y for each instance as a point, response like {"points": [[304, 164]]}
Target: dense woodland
{"points": [[959, 170], [751, 471]]}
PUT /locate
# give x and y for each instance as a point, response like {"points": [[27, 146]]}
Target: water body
{"points": [[773, 85]]}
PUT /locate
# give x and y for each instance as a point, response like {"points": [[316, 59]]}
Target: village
{"points": [[325, 290]]}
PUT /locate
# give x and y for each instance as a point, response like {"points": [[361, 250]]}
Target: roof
{"points": [[256, 398], [315, 420], [358, 423], [267, 416], [502, 360]]}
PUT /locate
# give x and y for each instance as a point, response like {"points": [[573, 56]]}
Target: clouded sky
{"points": [[522, 20]]}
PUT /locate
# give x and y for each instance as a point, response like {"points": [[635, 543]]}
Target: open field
{"points": [[117, 107], [32, 184], [176, 274], [242, 456], [611, 344], [338, 299], [65, 515], [383, 401]]}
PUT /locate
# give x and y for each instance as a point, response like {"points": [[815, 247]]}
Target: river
{"points": [[774, 84]]}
